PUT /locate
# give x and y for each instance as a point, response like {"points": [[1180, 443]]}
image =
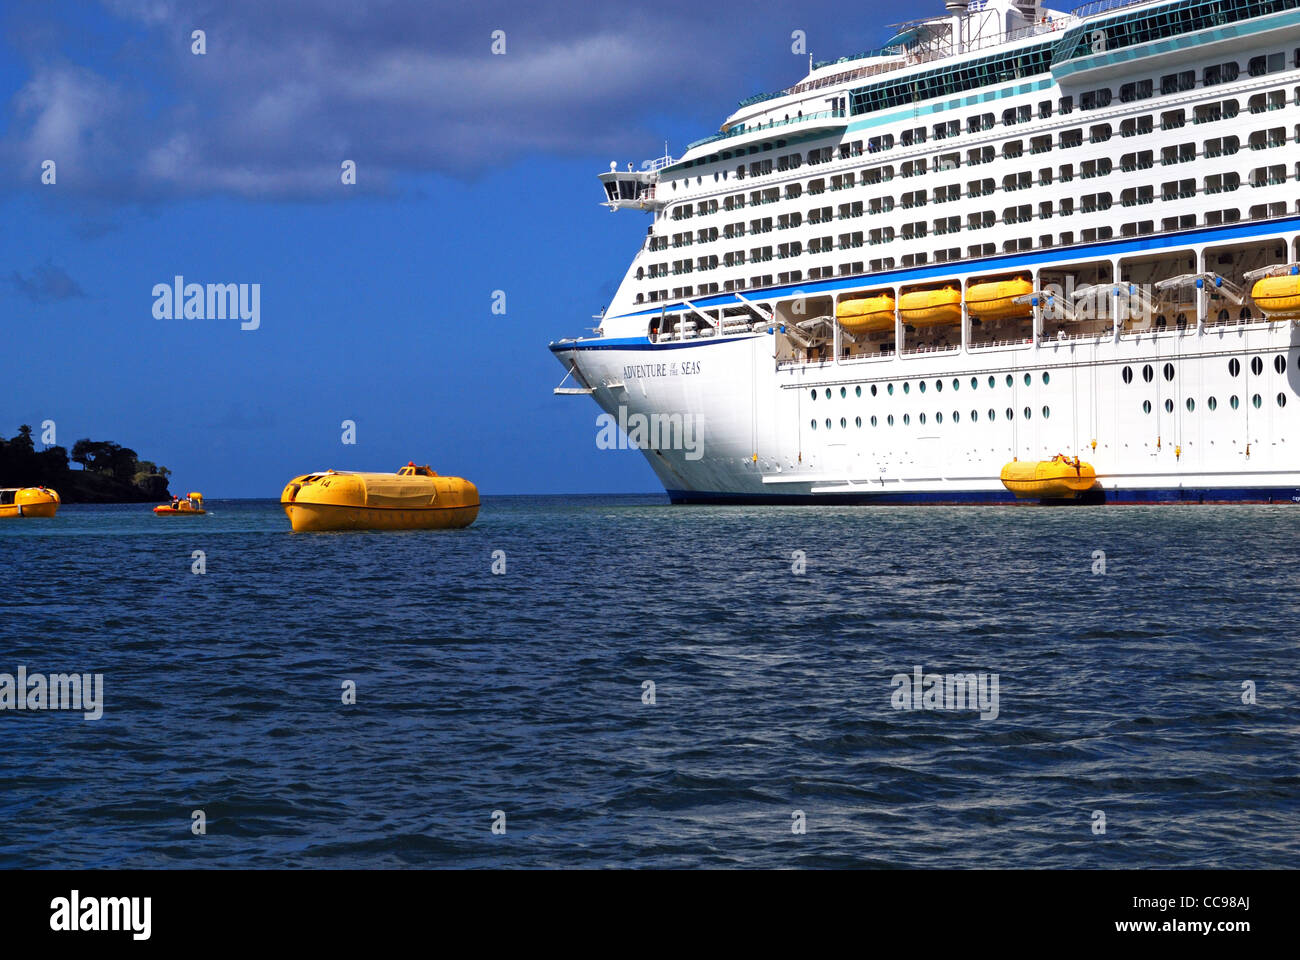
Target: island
{"points": [[109, 472]]}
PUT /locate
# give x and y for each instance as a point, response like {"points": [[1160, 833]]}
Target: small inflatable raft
{"points": [[414, 498], [191, 506]]}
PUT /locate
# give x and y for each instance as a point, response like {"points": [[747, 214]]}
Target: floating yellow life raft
{"points": [[931, 308], [996, 299], [28, 502], [414, 498], [866, 314], [1061, 478], [1278, 298]]}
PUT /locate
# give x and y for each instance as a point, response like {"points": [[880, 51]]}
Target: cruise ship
{"points": [[1009, 234]]}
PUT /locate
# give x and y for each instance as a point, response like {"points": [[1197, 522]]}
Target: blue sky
{"points": [[475, 173]]}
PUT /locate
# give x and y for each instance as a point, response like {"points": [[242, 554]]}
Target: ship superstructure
{"points": [[1007, 233]]}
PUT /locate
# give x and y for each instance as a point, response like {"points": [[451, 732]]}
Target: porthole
{"points": [[1256, 366], [956, 384], [956, 417], [1010, 413], [1191, 404], [938, 385], [1147, 373], [1047, 377], [828, 393], [1233, 401], [974, 416], [828, 423], [1279, 363], [1028, 413], [921, 419], [1281, 399], [843, 423], [1009, 380], [1028, 379], [857, 391], [873, 389], [1169, 371], [938, 418], [814, 394], [1047, 411], [857, 422], [890, 420], [922, 386], [992, 382], [814, 424], [890, 389], [1169, 406], [1127, 374], [907, 387], [1212, 403], [1234, 367], [873, 420], [993, 415], [907, 418], [843, 392], [1146, 406], [974, 383], [1257, 400]]}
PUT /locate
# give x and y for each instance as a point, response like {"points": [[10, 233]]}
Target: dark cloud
{"points": [[47, 284], [288, 90]]}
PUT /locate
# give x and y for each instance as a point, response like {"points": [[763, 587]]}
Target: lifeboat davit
{"points": [[191, 506], [414, 498], [1278, 298], [866, 314], [28, 502], [1061, 478], [931, 308], [996, 299]]}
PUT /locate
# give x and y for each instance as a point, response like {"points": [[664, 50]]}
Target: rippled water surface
{"points": [[522, 692]]}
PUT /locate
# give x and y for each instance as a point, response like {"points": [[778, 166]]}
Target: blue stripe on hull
{"points": [[993, 497]]}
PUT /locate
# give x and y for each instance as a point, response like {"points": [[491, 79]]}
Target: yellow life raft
{"points": [[414, 498], [931, 308], [1061, 478], [28, 502], [866, 314], [996, 299], [1278, 298]]}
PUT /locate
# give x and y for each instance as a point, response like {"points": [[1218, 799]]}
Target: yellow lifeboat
{"points": [[190, 506], [1278, 298], [866, 314], [414, 498], [1060, 478], [996, 299], [931, 308], [28, 502]]}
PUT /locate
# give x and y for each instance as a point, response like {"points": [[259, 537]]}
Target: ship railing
{"points": [[740, 129], [994, 344], [1104, 6], [912, 351]]}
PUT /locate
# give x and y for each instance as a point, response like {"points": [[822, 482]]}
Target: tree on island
{"points": [[109, 472]]}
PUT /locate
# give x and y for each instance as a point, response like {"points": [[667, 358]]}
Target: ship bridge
{"points": [[634, 189]]}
